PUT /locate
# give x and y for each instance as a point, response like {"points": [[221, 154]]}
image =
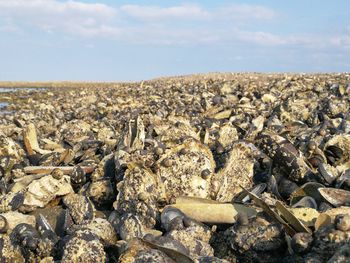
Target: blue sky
{"points": [[43, 40]]}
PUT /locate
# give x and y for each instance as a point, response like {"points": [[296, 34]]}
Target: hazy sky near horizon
{"points": [[43, 40]]}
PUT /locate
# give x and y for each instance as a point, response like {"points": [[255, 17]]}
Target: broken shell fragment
{"points": [[238, 170], [291, 219], [40, 192]]}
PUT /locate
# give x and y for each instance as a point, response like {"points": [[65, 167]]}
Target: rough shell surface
{"points": [[181, 169]]}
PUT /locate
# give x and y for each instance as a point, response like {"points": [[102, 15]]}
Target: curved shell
{"points": [[184, 175], [139, 193], [285, 156], [11, 201], [342, 142], [84, 246]]}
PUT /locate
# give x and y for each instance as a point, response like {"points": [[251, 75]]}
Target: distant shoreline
{"points": [[189, 77]]}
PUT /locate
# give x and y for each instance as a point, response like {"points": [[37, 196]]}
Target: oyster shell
{"points": [[83, 246], [80, 207], [238, 170], [181, 170], [40, 192], [139, 193]]}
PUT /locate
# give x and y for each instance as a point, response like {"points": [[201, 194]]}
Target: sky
{"points": [[48, 40]]}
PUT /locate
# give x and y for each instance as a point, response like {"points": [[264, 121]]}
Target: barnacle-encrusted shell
{"points": [[80, 207], [238, 170], [183, 174], [127, 226], [139, 193], [102, 229], [101, 192], [8, 251], [11, 201], [173, 130], [139, 252], [84, 246], [195, 238]]}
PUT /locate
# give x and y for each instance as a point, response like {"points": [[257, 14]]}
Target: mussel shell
{"points": [[3, 224], [337, 197], [343, 181], [286, 187], [335, 151], [24, 231], [43, 225], [284, 155], [308, 189], [168, 214], [326, 174], [315, 160], [306, 201], [78, 176], [257, 189]]}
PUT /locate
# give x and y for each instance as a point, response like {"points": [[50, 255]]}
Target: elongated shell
{"points": [[336, 197]]}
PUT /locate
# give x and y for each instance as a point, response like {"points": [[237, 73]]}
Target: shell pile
{"points": [[203, 168]]}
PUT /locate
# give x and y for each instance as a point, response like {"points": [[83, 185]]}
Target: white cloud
{"points": [[246, 12], [160, 13], [143, 24], [51, 16]]}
